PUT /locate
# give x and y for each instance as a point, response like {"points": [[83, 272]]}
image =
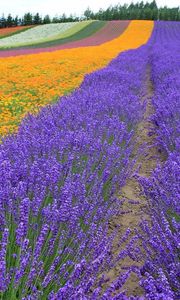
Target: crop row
{"points": [[35, 34], [65, 35], [60, 177], [161, 270], [91, 34]]}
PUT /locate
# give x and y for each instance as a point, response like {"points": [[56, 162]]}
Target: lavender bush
{"points": [[162, 241], [59, 178]]}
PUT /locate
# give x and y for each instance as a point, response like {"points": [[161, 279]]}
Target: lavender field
{"points": [[89, 187]]}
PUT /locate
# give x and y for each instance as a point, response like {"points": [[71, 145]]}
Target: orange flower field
{"points": [[31, 81]]}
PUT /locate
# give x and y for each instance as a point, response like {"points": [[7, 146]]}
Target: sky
{"points": [[57, 7]]}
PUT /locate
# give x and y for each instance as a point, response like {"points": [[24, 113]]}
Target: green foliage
{"points": [[37, 19], [139, 11], [47, 20], [27, 19]]}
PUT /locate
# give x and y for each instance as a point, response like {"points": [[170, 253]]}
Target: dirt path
{"points": [[146, 162]]}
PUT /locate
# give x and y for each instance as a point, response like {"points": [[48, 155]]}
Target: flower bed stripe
{"points": [[78, 26], [58, 181], [37, 33], [106, 31], [161, 271], [6, 32], [33, 81], [110, 31], [85, 31]]}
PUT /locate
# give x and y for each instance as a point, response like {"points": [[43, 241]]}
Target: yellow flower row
{"points": [[31, 81]]}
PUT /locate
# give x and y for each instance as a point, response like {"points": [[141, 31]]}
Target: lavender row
{"points": [[59, 178], [162, 240]]}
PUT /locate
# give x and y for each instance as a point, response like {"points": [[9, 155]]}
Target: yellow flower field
{"points": [[31, 81]]}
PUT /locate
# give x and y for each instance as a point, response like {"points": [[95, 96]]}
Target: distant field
{"points": [[81, 30], [92, 34], [36, 34]]}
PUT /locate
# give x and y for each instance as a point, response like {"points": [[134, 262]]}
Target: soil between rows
{"points": [[131, 214]]}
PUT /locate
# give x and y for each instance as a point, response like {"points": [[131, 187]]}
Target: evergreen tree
{"points": [[16, 21], [47, 20], [27, 19], [63, 17], [88, 14], [55, 19], [9, 21], [37, 19], [3, 23]]}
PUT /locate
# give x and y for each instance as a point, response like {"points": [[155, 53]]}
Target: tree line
{"points": [[138, 11], [30, 19]]}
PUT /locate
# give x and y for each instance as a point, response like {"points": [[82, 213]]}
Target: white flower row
{"points": [[38, 33]]}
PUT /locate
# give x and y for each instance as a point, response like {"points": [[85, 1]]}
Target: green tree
{"points": [[147, 13], [37, 19], [3, 23], [9, 21], [55, 19], [16, 21], [46, 20], [88, 14], [27, 19], [63, 17], [153, 5]]}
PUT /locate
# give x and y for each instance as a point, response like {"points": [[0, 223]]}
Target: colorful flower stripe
{"points": [[12, 30], [36, 34], [84, 32], [32, 81], [78, 26], [109, 31]]}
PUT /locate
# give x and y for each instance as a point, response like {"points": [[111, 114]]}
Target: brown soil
{"points": [[146, 162]]}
